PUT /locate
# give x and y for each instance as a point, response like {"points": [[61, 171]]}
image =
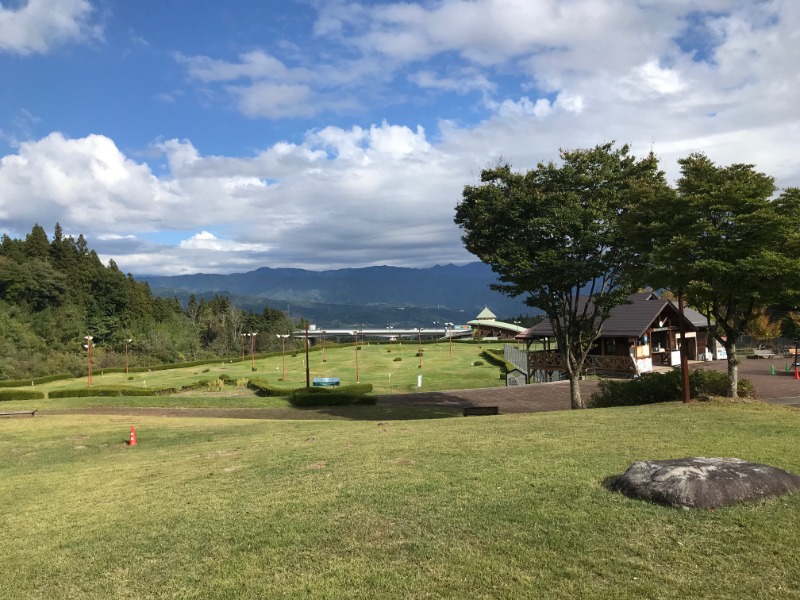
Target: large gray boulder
{"points": [[701, 482]]}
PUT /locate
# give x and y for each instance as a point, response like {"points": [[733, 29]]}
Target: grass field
{"points": [[376, 365], [498, 507]]}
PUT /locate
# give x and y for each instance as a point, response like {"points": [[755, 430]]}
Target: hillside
{"points": [[374, 295]]}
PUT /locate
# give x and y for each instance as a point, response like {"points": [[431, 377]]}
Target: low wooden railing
{"points": [[551, 361]]}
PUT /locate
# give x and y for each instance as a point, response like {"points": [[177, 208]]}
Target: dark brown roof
{"points": [[626, 320]]}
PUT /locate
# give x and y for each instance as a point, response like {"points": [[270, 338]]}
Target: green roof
{"points": [[486, 315]]}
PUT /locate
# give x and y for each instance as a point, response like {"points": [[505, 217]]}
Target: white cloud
{"points": [[39, 25], [346, 195], [208, 241]]}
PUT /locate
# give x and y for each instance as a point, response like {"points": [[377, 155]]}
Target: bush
{"points": [[111, 392], [35, 380], [495, 356], [398, 358], [224, 377], [215, 385], [652, 388], [477, 363], [262, 388], [20, 395], [306, 398]]}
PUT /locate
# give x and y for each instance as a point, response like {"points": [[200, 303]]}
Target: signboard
{"points": [[516, 377]]}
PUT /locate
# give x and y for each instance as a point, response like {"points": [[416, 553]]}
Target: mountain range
{"points": [[374, 296]]}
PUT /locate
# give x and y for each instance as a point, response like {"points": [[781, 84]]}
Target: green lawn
{"points": [[440, 370], [496, 507]]}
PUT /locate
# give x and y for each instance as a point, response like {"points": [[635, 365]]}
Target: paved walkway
{"points": [[537, 397]]}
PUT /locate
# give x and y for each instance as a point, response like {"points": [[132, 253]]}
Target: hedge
{"points": [[111, 392], [496, 357], [652, 388], [35, 381], [262, 388], [20, 395], [305, 398]]}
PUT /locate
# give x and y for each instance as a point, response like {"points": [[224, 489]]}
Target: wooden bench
{"points": [[481, 411], [19, 413], [765, 353]]}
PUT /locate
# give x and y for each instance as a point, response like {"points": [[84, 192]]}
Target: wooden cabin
{"points": [[638, 335]]}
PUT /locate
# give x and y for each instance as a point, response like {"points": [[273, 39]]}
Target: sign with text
{"points": [[516, 377]]}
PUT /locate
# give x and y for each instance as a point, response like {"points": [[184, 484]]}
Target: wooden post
{"points": [[682, 346]]}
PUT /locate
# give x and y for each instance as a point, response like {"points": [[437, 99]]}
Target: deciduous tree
{"points": [[552, 234]]}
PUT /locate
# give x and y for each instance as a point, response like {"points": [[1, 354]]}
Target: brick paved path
{"points": [[536, 397]]}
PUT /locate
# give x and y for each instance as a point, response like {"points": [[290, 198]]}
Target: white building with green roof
{"points": [[486, 326]]}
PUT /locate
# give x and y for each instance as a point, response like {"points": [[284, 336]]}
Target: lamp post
{"points": [[88, 346], [308, 372], [126, 355], [252, 337], [323, 346], [355, 333], [448, 327], [243, 334], [419, 346], [283, 351]]}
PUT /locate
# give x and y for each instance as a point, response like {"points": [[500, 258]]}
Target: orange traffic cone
{"points": [[796, 374], [132, 441]]}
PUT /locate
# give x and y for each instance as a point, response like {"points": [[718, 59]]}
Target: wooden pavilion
{"points": [[638, 335]]}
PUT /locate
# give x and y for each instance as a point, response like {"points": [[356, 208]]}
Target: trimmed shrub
{"points": [[6, 395], [496, 357], [262, 388], [341, 396], [398, 358], [477, 363], [35, 380], [652, 388], [110, 392], [303, 399], [224, 377]]}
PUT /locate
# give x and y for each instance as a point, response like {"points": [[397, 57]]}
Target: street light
{"points": [[126, 355], [283, 351], [323, 346], [449, 326], [88, 346], [355, 333], [252, 337], [419, 351]]}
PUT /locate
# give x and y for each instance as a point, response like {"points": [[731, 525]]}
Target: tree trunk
{"points": [[733, 371], [575, 391]]}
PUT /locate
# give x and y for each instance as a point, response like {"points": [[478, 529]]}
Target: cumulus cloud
{"points": [[545, 75], [39, 25]]}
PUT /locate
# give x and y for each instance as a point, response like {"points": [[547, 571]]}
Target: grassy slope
{"points": [[497, 507], [376, 366]]}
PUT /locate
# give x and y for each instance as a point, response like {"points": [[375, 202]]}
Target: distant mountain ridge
{"points": [[460, 289]]}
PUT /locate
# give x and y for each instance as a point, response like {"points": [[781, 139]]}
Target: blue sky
{"points": [[187, 136]]}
